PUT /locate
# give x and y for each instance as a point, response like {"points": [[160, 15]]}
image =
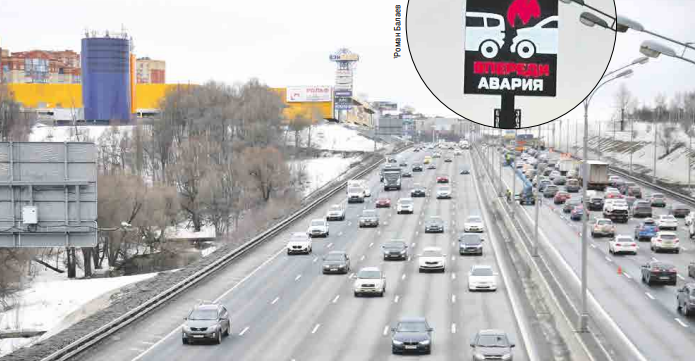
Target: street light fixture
{"points": [[590, 20], [653, 49], [625, 23]]}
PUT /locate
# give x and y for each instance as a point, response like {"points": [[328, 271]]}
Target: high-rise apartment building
{"points": [[40, 66], [149, 71]]}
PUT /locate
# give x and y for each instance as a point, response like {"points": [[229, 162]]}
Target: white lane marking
{"points": [[453, 258], [316, 328], [403, 277], [408, 258], [340, 233], [352, 274], [349, 223], [386, 330], [275, 300], [608, 259], [395, 300], [453, 276], [336, 298], [362, 258], [453, 328], [593, 245], [627, 275], [654, 259], [378, 232], [649, 295], [147, 342], [420, 223], [417, 232], [137, 349], [683, 248], [390, 214], [681, 322], [178, 328], [453, 243], [244, 331], [453, 298], [412, 244], [371, 244], [298, 277], [329, 245], [681, 277], [315, 259]]}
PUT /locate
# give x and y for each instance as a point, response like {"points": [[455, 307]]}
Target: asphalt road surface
{"points": [[283, 308]]}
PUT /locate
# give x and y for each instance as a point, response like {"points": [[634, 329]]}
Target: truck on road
{"points": [[597, 177], [567, 165], [392, 178]]}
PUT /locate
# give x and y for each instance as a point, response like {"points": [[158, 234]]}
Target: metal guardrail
{"points": [[94, 337]]}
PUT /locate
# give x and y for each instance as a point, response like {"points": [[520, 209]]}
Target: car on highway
{"points": [[457, 152], [207, 321], [613, 194], [550, 190], [667, 222], [646, 230], [431, 259], [577, 213], [392, 160], [443, 192], [544, 183], [382, 202], [431, 166], [411, 335], [657, 200], [465, 170], [624, 186], [434, 224], [427, 159], [299, 243], [595, 203], [685, 297], [572, 185], [678, 210], [403, 164], [418, 191], [448, 160], [355, 195], [318, 228], [369, 281], [689, 218], [642, 209], [560, 197], [665, 242], [336, 213], [481, 277], [560, 180], [613, 180], [395, 249], [492, 345], [622, 244], [406, 174], [473, 224], [554, 174], [569, 204], [634, 191], [417, 167], [369, 218], [616, 210], [336, 262], [442, 179], [659, 272], [470, 243], [437, 155], [603, 227], [405, 205]]}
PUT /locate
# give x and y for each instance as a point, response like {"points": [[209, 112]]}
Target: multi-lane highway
{"points": [[646, 314], [283, 308]]}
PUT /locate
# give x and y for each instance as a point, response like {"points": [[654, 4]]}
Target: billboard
{"points": [[344, 57], [342, 93], [321, 93], [384, 105], [511, 47]]}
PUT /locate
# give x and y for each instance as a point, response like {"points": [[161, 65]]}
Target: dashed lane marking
{"points": [[649, 295], [680, 322], [244, 331], [298, 277], [336, 298], [593, 245], [608, 259], [453, 276], [275, 300], [136, 349], [453, 328], [386, 330], [395, 300], [627, 275], [371, 244], [403, 276], [453, 298], [681, 277], [316, 328], [315, 259], [329, 245], [362, 258]]}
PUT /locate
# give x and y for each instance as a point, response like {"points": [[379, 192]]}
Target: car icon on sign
{"points": [[538, 39], [484, 33]]}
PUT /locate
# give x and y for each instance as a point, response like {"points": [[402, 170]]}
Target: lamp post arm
{"points": [[686, 45]]}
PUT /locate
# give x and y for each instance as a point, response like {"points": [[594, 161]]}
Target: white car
{"points": [[538, 39], [355, 195], [667, 222], [689, 218], [484, 33], [318, 228], [432, 259], [473, 224], [405, 205], [336, 212], [666, 241], [361, 183], [369, 280], [457, 152], [299, 243], [481, 277], [622, 244], [443, 192]]}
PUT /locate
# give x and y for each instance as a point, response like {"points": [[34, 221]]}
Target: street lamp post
{"points": [[583, 317]]}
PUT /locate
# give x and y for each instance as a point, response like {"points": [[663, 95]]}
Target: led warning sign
{"points": [[511, 47]]}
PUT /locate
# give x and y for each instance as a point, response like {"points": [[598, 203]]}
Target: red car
{"points": [[616, 195], [561, 197], [442, 179], [383, 203]]}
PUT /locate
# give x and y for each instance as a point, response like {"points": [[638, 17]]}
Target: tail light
{"points": [[632, 244], [676, 241], [618, 244], [656, 229]]}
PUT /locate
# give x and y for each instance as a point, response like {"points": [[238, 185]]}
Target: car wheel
{"points": [[219, 338], [610, 251], [489, 49], [288, 252], [357, 294], [420, 270], [643, 280], [685, 311], [226, 332], [184, 341], [649, 280], [678, 251]]}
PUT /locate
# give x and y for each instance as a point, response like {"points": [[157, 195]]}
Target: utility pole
{"points": [[658, 112]]}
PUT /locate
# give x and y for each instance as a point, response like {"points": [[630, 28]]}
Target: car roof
{"points": [[370, 269], [492, 332], [336, 252], [405, 199], [207, 306], [667, 233], [437, 249], [297, 234], [481, 266], [318, 219], [412, 319]]}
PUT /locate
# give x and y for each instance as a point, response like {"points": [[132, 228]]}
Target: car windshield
{"points": [[444, 188], [394, 244], [474, 219], [369, 274], [493, 341], [411, 327], [604, 222], [431, 253], [435, 220], [336, 208], [482, 271], [335, 257], [298, 237], [668, 237], [470, 239], [660, 196], [368, 213], [623, 239], [203, 314], [355, 190], [318, 223], [650, 223], [405, 201], [668, 218]]}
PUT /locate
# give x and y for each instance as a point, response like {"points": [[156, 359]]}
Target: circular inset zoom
{"points": [[510, 63]]}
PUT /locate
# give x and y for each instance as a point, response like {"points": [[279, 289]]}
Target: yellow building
{"points": [[310, 110]]}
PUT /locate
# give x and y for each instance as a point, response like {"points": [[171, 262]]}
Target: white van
{"points": [[362, 184], [485, 33]]}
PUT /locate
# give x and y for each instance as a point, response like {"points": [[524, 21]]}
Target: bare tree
{"points": [[15, 125], [267, 169], [668, 137], [298, 125], [623, 99]]}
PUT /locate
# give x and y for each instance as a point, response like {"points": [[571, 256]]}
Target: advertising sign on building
{"points": [[384, 105], [343, 93], [511, 47], [320, 93]]}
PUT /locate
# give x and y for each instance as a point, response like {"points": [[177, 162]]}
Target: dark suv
{"points": [[412, 334], [208, 321], [686, 299], [634, 191]]}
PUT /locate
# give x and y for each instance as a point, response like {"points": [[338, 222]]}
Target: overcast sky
{"points": [[287, 43]]}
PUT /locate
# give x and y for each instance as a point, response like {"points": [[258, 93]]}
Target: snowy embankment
{"points": [[55, 303], [319, 171], [335, 137]]}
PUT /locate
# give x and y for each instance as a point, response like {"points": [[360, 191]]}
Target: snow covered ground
{"points": [[337, 137], [320, 171], [46, 133], [53, 304]]}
